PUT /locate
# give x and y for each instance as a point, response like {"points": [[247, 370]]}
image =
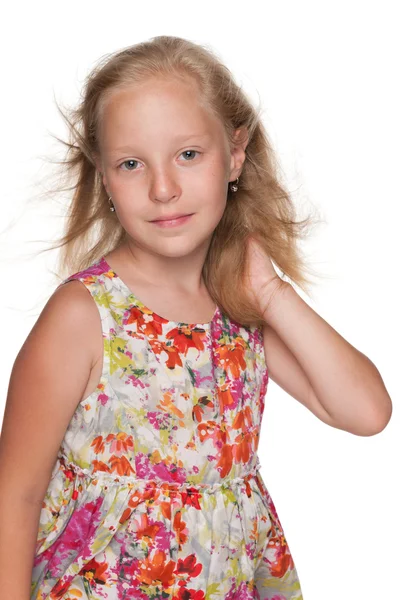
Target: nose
{"points": [[164, 186]]}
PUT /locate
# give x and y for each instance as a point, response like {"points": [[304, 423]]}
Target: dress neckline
{"points": [[141, 304]]}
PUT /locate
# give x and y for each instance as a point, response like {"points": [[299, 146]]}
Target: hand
{"points": [[261, 278]]}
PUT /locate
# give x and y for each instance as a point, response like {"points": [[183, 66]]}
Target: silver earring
{"points": [[234, 186], [111, 204]]}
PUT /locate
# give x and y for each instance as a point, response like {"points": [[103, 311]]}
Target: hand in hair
{"points": [[261, 278]]}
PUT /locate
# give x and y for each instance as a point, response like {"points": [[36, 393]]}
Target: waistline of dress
{"points": [[146, 483]]}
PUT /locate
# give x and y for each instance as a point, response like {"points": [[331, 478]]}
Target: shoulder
{"points": [[47, 382], [71, 313], [72, 300]]}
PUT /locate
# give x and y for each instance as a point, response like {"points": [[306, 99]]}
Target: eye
{"points": [[131, 160], [189, 151]]}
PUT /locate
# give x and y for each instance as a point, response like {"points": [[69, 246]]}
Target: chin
{"points": [[176, 252], [178, 248]]}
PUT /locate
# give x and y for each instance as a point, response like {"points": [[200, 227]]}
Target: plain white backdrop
{"points": [[326, 75]]}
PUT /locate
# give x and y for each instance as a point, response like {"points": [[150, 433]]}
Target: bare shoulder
{"points": [[72, 311], [47, 381], [285, 370], [73, 301]]}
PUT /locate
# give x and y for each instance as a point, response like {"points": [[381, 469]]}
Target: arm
{"points": [[285, 370], [318, 367], [47, 381], [19, 523]]}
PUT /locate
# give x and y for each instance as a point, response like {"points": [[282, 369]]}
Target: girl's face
{"points": [[162, 154]]}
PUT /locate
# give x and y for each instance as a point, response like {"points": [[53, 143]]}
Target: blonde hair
{"points": [[261, 207]]}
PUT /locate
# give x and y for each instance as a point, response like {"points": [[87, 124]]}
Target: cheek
{"points": [[216, 208], [130, 215], [120, 186]]}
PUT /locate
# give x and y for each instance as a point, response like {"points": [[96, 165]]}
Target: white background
{"points": [[326, 74]]}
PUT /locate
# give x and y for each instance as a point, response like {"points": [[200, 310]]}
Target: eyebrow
{"points": [[178, 138]]}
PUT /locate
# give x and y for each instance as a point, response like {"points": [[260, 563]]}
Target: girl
{"points": [[140, 390]]}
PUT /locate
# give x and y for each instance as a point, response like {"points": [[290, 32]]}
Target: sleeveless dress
{"points": [[156, 490]]}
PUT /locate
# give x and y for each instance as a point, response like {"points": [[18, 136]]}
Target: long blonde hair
{"points": [[261, 207]]}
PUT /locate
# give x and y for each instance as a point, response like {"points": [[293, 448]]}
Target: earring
{"points": [[111, 204], [234, 186]]}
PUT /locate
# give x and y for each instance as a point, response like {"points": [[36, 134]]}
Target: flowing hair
{"points": [[262, 207]]}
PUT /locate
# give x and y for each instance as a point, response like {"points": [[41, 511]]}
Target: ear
{"points": [[238, 154]]}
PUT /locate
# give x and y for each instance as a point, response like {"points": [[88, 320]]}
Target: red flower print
{"points": [[150, 327], [149, 494], [166, 509], [231, 357], [281, 559], [185, 594], [188, 566], [191, 497], [60, 589], [197, 413], [181, 529], [95, 571], [121, 442], [121, 465], [198, 410], [171, 351], [238, 422], [98, 465], [125, 515], [98, 444], [155, 569], [206, 430], [225, 461], [225, 397], [185, 338], [146, 529], [242, 448], [248, 416]]}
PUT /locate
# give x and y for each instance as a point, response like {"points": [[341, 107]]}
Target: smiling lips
{"points": [[171, 217], [172, 221]]}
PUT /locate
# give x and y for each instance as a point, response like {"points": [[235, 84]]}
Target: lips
{"points": [[171, 217], [169, 222]]}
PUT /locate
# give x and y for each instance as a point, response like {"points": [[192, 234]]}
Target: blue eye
{"points": [[188, 151], [131, 160]]}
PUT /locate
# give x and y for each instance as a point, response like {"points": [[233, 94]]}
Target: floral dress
{"points": [[156, 491]]}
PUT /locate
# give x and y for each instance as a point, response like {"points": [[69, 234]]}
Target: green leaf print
{"points": [[230, 495], [164, 436], [192, 375], [226, 327], [234, 569], [115, 348], [107, 300], [211, 590], [86, 585]]}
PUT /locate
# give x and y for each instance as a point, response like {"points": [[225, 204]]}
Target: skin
{"points": [[154, 175]]}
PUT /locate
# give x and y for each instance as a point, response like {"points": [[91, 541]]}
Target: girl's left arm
{"points": [[345, 382]]}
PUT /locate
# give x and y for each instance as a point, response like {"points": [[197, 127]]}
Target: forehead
{"points": [[157, 110]]}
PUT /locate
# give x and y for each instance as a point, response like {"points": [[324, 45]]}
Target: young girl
{"points": [[128, 456]]}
